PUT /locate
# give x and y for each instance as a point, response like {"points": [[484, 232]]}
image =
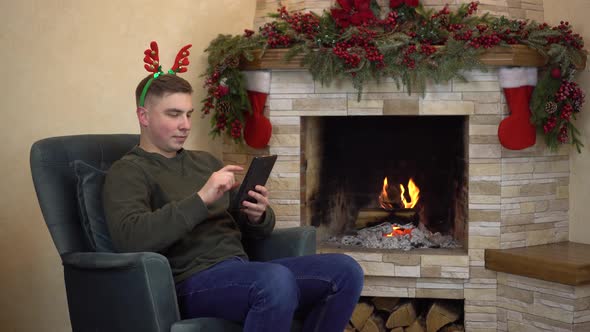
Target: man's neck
{"points": [[147, 147]]}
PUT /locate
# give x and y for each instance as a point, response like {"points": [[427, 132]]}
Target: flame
{"points": [[398, 231], [414, 193], [383, 198]]}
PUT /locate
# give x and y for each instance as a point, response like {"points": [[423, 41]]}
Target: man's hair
{"points": [[164, 84]]}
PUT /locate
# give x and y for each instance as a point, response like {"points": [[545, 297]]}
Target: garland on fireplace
{"points": [[361, 40]]}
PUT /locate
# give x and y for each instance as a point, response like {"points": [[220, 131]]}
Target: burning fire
{"points": [[384, 200], [398, 231], [387, 204], [413, 192]]}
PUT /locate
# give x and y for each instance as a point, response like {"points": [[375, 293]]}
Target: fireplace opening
{"points": [[392, 182]]}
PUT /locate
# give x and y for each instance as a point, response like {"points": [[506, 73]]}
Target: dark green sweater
{"points": [[151, 204]]}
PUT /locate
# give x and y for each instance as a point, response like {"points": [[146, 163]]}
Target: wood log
{"points": [[453, 328], [441, 314], [405, 216], [361, 314], [397, 329], [374, 324], [417, 326], [385, 303], [349, 328], [368, 217], [404, 315], [372, 217]]}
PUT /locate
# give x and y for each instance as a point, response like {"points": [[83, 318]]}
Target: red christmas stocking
{"points": [[258, 129], [516, 132]]}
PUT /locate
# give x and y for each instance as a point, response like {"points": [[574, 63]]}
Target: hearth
{"points": [[390, 182]]}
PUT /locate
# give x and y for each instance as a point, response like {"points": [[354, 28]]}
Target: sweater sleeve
{"points": [[132, 223], [250, 230], [260, 230]]}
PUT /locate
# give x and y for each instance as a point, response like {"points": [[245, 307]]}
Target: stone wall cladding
{"points": [[516, 198], [526, 304]]}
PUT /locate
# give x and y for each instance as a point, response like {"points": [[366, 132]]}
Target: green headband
{"points": [[149, 83]]}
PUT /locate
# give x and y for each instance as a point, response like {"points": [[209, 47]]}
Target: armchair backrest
{"points": [[55, 181]]}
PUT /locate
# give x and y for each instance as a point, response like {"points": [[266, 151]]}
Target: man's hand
{"points": [[254, 211], [218, 183]]}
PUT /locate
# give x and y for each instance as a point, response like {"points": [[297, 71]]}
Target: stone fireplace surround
{"points": [[516, 199]]}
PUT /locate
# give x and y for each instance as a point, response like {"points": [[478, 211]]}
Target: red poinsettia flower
{"points": [[355, 12], [397, 3]]}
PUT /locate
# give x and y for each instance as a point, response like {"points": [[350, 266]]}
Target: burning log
{"points": [[399, 197], [390, 196], [441, 314], [404, 315], [372, 217]]}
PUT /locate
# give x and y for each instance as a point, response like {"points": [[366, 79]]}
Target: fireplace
{"points": [[514, 198], [390, 182]]}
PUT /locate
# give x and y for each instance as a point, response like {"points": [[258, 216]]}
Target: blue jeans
{"points": [[265, 296]]}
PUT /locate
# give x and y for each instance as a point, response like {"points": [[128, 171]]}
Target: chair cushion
{"points": [[89, 190]]}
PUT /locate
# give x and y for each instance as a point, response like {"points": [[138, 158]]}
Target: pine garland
{"points": [[404, 42], [226, 88]]}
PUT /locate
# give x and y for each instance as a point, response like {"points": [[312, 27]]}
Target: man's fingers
{"points": [[253, 208], [260, 198], [262, 190], [231, 168]]}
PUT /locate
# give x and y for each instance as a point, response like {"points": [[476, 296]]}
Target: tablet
{"points": [[257, 174]]}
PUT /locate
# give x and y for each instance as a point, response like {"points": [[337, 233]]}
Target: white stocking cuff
{"points": [[257, 80]]}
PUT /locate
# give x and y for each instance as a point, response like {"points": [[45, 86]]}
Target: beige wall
{"points": [[576, 12], [70, 67]]}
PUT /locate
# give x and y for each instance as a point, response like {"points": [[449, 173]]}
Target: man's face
{"points": [[166, 123]]}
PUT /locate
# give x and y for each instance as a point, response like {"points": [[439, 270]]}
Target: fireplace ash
{"points": [[374, 238]]}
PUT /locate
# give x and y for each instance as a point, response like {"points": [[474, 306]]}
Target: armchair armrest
{"points": [[218, 325], [283, 242], [206, 324], [120, 292]]}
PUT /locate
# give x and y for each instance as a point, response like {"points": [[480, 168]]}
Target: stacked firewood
{"points": [[391, 314]]}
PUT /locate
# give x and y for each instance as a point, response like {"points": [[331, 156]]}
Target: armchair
{"points": [[122, 291]]}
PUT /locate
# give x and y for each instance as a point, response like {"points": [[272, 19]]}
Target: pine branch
{"points": [[399, 48]]}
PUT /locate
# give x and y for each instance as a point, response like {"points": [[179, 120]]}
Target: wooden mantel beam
{"points": [[514, 55]]}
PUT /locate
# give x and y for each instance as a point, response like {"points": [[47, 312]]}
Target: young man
{"points": [[160, 197]]}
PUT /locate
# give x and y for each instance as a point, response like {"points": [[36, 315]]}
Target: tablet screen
{"points": [[257, 174]]}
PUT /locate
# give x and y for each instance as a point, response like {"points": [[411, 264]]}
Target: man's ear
{"points": [[142, 116]]}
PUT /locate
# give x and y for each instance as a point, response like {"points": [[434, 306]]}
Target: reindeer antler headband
{"points": [[152, 64]]}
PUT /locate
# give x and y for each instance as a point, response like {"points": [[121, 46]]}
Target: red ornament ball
{"points": [[556, 73]]}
